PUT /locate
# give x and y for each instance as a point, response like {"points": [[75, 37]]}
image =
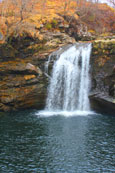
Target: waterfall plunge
{"points": [[70, 81]]}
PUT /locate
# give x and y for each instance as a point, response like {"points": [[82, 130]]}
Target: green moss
{"points": [[113, 46], [33, 49], [112, 51], [54, 22], [48, 26], [103, 47]]}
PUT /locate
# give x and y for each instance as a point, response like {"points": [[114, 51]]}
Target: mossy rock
{"points": [[102, 47]]}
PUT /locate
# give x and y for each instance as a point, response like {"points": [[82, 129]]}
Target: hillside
{"points": [[33, 18]]}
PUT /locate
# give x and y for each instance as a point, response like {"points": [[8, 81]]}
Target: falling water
{"points": [[70, 81]]}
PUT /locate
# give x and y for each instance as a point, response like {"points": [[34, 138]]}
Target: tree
{"points": [[66, 5], [14, 13], [98, 17], [24, 7], [112, 2]]}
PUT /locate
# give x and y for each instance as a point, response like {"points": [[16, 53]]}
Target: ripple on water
{"points": [[75, 143]]}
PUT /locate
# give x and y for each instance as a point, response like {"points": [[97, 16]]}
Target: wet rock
{"points": [[22, 85], [102, 103], [23, 82], [103, 75], [32, 69], [18, 67], [58, 39]]}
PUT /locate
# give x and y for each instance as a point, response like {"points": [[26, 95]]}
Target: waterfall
{"points": [[83, 102], [70, 80]]}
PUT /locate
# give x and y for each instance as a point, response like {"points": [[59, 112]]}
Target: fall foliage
{"points": [[19, 17]]}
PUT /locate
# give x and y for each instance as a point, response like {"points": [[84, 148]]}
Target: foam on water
{"points": [[64, 113]]}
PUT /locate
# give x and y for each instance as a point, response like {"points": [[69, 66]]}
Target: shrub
{"points": [[54, 22], [49, 26]]}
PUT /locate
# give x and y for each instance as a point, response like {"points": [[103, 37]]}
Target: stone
{"points": [[103, 76], [1, 36], [22, 85], [32, 68]]}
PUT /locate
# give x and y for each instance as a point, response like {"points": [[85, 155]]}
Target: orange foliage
{"points": [[98, 17], [38, 12]]}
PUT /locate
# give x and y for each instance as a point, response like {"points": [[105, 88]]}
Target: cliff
{"points": [[103, 76], [23, 81]]}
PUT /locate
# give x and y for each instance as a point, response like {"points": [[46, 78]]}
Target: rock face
{"points": [[23, 82], [103, 76], [22, 85]]}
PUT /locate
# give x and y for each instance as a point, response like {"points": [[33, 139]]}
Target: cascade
{"points": [[70, 80]]}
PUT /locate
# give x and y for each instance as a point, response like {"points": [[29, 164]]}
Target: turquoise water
{"points": [[56, 144]]}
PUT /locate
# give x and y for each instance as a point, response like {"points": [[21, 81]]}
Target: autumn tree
{"points": [[6, 16], [98, 17], [15, 12], [24, 7], [43, 7], [66, 5], [82, 8]]}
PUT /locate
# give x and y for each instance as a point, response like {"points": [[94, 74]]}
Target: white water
{"points": [[70, 82], [83, 101]]}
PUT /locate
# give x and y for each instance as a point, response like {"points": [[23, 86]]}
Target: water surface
{"points": [[56, 144]]}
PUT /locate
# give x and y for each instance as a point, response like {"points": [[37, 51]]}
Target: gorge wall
{"points": [[23, 82], [103, 76]]}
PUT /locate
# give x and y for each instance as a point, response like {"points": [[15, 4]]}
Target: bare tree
{"points": [[24, 7], [82, 8], [112, 2], [20, 8], [43, 6], [67, 5], [96, 1], [14, 12], [5, 13]]}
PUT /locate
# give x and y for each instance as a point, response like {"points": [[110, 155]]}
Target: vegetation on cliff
{"points": [[21, 18]]}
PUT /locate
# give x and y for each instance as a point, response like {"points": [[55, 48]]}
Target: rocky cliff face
{"points": [[22, 85], [23, 82], [103, 76]]}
